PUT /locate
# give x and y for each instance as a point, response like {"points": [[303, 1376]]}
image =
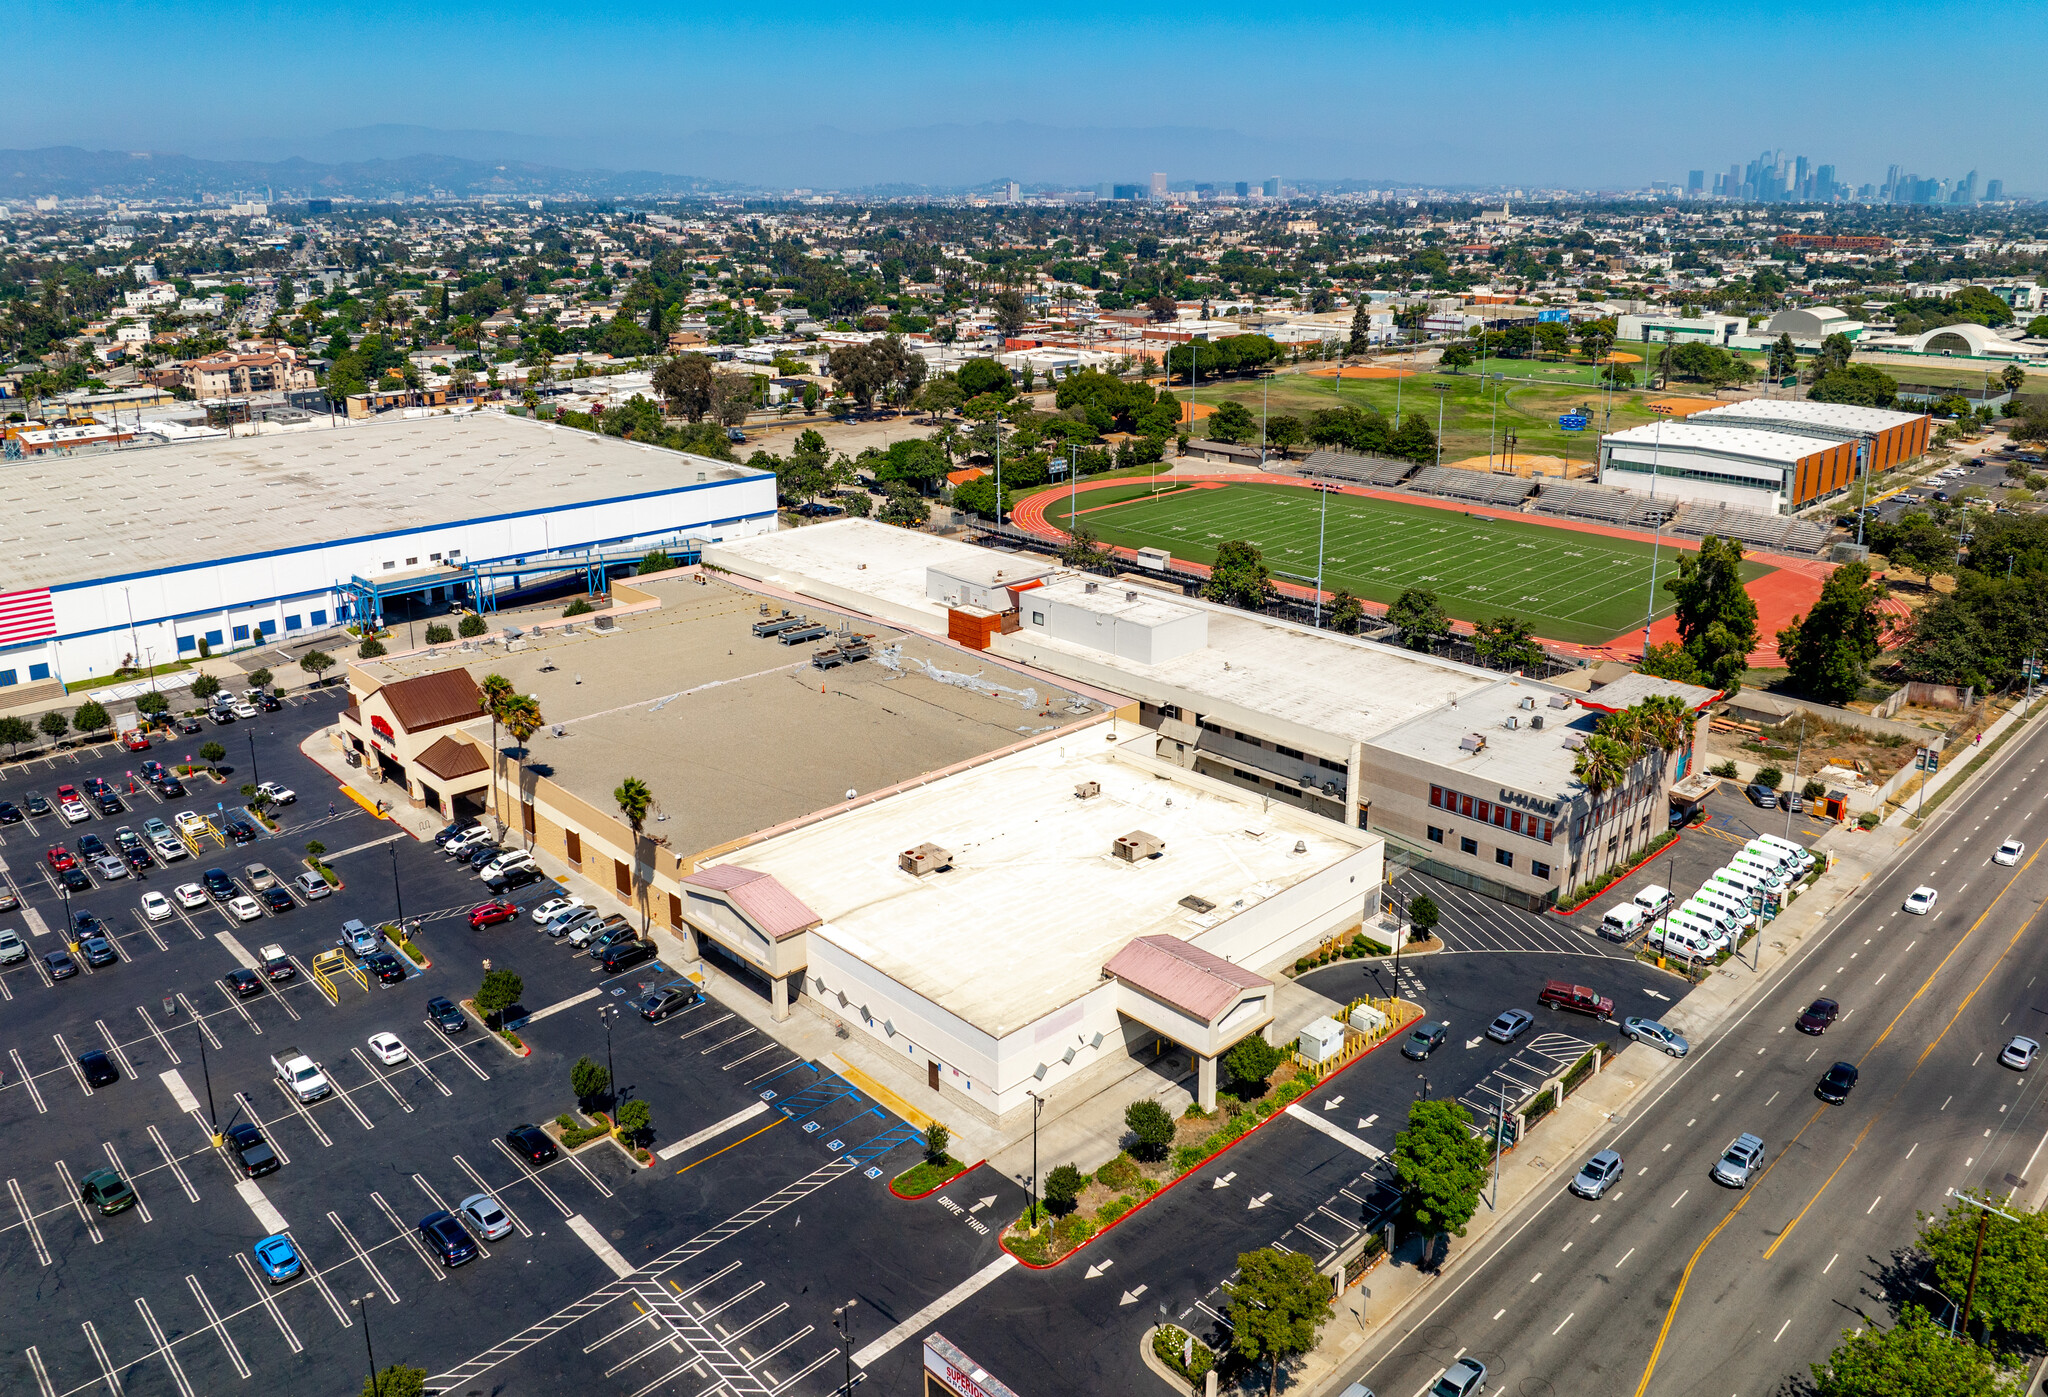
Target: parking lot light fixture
{"points": [[842, 1320], [376, 1387], [605, 1014]]}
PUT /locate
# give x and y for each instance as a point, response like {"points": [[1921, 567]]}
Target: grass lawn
{"points": [[1576, 587]]}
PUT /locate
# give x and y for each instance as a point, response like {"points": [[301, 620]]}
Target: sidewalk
{"points": [[357, 784], [1954, 763]]}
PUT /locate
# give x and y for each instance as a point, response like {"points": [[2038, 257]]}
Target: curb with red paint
{"points": [[1627, 873], [937, 1186]]}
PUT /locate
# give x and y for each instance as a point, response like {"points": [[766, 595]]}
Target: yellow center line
{"points": [[733, 1146]]}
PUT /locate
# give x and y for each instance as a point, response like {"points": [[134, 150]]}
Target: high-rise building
{"points": [[1994, 190], [1011, 193], [1824, 182], [1271, 188], [1104, 190], [1127, 191], [1159, 185], [1696, 182], [1243, 188]]}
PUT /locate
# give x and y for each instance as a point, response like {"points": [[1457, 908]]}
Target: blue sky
{"points": [[1585, 95]]}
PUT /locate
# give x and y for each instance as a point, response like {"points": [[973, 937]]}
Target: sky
{"points": [[1588, 95]]}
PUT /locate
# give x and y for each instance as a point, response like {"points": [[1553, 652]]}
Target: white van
{"points": [[1622, 923], [1734, 909], [1764, 873], [1654, 901], [1675, 939], [1745, 882], [1802, 857], [1704, 921], [1771, 857]]}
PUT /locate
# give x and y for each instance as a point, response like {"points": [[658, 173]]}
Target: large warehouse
{"points": [[1894, 436], [1756, 468], [146, 554]]}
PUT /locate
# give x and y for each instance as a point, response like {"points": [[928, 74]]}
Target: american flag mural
{"points": [[26, 616]]}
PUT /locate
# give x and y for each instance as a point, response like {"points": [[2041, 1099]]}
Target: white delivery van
{"points": [[1770, 877], [1770, 856], [1744, 881], [1706, 921], [1802, 857], [1622, 923], [1734, 908], [1676, 939], [1654, 900]]}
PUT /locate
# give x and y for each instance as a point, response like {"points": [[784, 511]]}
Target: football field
{"points": [[1577, 587]]}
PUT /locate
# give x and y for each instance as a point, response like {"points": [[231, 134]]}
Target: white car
{"points": [[1921, 902], [387, 1048], [12, 948], [189, 895], [547, 909], [2019, 1053], [279, 795], [242, 708], [75, 811], [505, 863], [246, 908], [156, 906], [109, 866], [2009, 852], [189, 822]]}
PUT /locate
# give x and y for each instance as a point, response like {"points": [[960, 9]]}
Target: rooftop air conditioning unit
{"points": [[1137, 846], [1537, 721], [1512, 722], [1089, 587], [1087, 790], [1527, 703], [925, 858], [1472, 742], [1560, 701]]}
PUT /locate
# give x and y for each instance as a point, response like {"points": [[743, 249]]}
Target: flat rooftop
{"points": [[736, 733], [1847, 418], [1535, 761], [1035, 904], [69, 519], [859, 557], [1691, 437]]}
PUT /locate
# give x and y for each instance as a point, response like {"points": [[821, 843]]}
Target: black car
{"points": [[137, 856], [90, 847], [269, 703], [444, 1013], [626, 955], [9, 815], [482, 854], [189, 725], [110, 804], [659, 1005], [241, 831], [170, 788], [60, 964], [514, 878], [388, 969], [153, 771], [251, 1151], [35, 805], [605, 940], [98, 951], [84, 924], [1424, 1040], [1837, 1082], [98, 1068], [448, 1238], [448, 833], [531, 1143], [219, 886], [277, 899], [243, 982], [74, 880]]}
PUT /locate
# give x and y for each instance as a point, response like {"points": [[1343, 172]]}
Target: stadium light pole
{"points": [[1656, 540], [1322, 532], [1863, 496], [1441, 389]]}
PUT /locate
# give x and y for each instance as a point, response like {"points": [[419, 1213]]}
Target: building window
{"points": [[1286, 751], [6, 678], [319, 618], [1038, 618], [433, 557], [1468, 846], [526, 816], [293, 623], [1436, 797], [1539, 869], [1549, 828], [1503, 858], [1436, 836], [213, 637], [389, 566], [241, 633], [411, 562], [1169, 710], [187, 644], [1500, 816]]}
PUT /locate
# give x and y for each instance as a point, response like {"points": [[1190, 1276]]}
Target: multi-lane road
{"points": [[1674, 1284]]}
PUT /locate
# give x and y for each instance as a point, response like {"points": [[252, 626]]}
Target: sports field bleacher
{"points": [[1501, 491], [1382, 471], [1772, 531], [1602, 505]]}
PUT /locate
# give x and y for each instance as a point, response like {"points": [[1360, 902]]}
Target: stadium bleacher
{"points": [[1601, 505], [1381, 471], [1772, 531], [1501, 491]]}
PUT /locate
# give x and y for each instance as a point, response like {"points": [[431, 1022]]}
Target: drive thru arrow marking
{"points": [[986, 1202], [1475, 1042], [1223, 1180], [1365, 1121], [1654, 995], [1131, 1296], [1099, 1268], [1258, 1202], [1333, 1103]]}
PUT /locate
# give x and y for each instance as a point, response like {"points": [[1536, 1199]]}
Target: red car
{"points": [[135, 742], [60, 859], [491, 913], [65, 793]]}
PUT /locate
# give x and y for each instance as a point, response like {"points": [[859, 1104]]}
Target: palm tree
{"points": [[1602, 765], [496, 689], [520, 713], [634, 799]]}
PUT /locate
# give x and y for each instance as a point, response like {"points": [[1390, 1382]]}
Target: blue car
{"points": [[278, 1258]]}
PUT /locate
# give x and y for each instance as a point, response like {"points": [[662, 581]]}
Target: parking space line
{"points": [[249, 1109], [149, 930], [584, 1170], [484, 1188], [304, 1114], [71, 1060], [690, 1142], [171, 1161], [28, 1220], [439, 1272], [163, 1347], [35, 1362], [382, 1080], [198, 1018], [21, 1071], [115, 1048], [758, 1052], [456, 1048], [269, 1302], [220, 1330], [99, 1351], [435, 1196], [78, 1202], [708, 1023], [775, 1071], [534, 1178], [235, 1002], [707, 1052], [362, 1256], [426, 1071], [141, 1205], [161, 1041], [341, 1092]]}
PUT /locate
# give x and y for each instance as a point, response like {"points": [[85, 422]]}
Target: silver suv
{"points": [[1743, 1161]]}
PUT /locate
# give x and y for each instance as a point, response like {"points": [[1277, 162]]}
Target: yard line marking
{"points": [[99, 1351], [191, 1195], [78, 1201], [269, 1302], [933, 1311], [439, 1272], [28, 1220], [161, 1041], [690, 1142], [122, 1169], [220, 1330], [163, 1347], [604, 1250], [482, 1187], [21, 1071], [384, 1081], [334, 1218]]}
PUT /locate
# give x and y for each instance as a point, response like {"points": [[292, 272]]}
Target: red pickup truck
{"points": [[1562, 994]]}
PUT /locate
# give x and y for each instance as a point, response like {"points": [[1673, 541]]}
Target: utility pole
{"points": [[376, 1387], [1798, 756], [1985, 1210], [1322, 532]]}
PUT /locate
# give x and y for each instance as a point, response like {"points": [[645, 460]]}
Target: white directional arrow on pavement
{"points": [[1131, 1296], [1258, 1202], [1223, 1180], [1475, 1042], [1654, 995], [1099, 1268], [984, 1203], [1368, 1120], [1333, 1103]]}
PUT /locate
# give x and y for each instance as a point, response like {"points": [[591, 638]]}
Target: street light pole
{"points": [[1985, 1210], [206, 1075], [255, 775], [1037, 1105], [1953, 1308], [396, 896], [842, 1320], [604, 1016], [1798, 757], [376, 1387]]}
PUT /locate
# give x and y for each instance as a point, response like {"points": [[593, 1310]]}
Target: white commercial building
{"points": [[144, 554], [1744, 467]]}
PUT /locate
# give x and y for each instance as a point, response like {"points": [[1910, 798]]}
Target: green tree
{"points": [[1441, 1166], [2011, 1299], [1455, 358], [213, 753], [1422, 915], [1414, 439], [438, 634], [904, 506], [1063, 1187], [1278, 1304], [370, 649], [657, 560], [54, 725], [1240, 576], [684, 383], [396, 1381], [1420, 617], [1505, 641], [1913, 1358], [469, 627], [499, 991], [1284, 433], [1828, 650], [1915, 540], [589, 1079], [1347, 613], [15, 730], [1232, 421], [2012, 377], [91, 717], [1252, 1060], [1147, 1120], [937, 1140], [314, 849], [260, 678], [1670, 661], [316, 663], [205, 686], [1716, 617], [633, 1119], [152, 704], [579, 606], [1860, 385], [979, 376], [634, 798]]}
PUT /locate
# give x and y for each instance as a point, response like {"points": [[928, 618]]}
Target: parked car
{"points": [[219, 886], [239, 830], [12, 947], [106, 1191], [616, 934], [59, 965], [388, 969], [251, 1151], [1424, 1039], [35, 805], [311, 886], [447, 833], [9, 813], [258, 877], [491, 914], [553, 907], [517, 877], [279, 795], [360, 939], [661, 1003], [480, 1213], [387, 1048], [245, 908], [278, 900], [1598, 1174], [277, 1258], [445, 1015], [1579, 999], [243, 983], [1764, 796], [572, 921], [98, 1068], [531, 1144], [98, 950], [447, 1238], [625, 955], [189, 895]]}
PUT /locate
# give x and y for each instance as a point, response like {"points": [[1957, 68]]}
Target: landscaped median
{"points": [[406, 946], [507, 1039]]}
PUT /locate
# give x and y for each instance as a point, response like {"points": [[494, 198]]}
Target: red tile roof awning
{"points": [[1184, 976], [760, 897]]}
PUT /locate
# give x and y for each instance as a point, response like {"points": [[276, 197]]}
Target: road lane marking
{"points": [[1562, 1323], [605, 1251], [1624, 1258], [933, 1311]]}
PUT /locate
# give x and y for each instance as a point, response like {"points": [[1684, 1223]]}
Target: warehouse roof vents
{"points": [[1087, 790], [1138, 846], [925, 858]]}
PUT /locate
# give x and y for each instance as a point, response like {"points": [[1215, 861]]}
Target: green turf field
{"points": [[1582, 588]]}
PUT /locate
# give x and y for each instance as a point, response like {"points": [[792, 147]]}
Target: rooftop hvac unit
{"points": [[1329, 788], [1537, 721], [1472, 742], [1560, 701], [925, 858], [1529, 702], [1090, 587], [1512, 722], [1087, 790], [1137, 846]]}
